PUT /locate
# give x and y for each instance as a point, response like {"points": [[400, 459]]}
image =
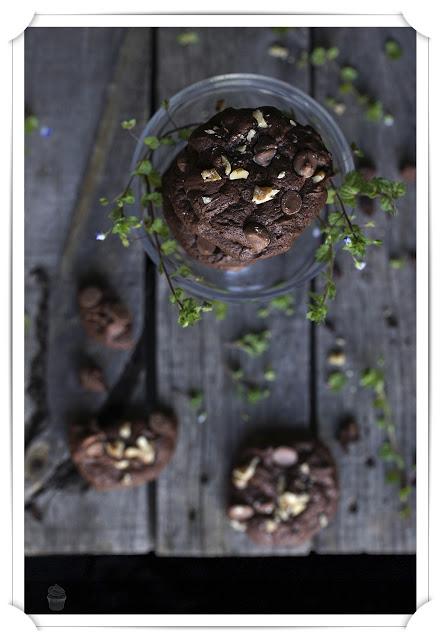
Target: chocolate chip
{"points": [[348, 433], [291, 203], [116, 329], [240, 512], [181, 163], [305, 163], [89, 297], [408, 173], [264, 157], [92, 379], [284, 456], [257, 236], [205, 247]]}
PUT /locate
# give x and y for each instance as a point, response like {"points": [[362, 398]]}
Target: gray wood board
{"points": [[190, 497], [64, 517], [369, 302]]}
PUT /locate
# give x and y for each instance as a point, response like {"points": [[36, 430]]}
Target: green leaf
{"points": [[157, 225], [255, 394], [152, 142], [349, 74], [332, 53], [154, 179], [331, 195], [336, 381], [318, 56], [397, 263], [270, 375], [143, 168], [219, 309], [165, 104], [103, 201], [155, 197], [31, 124], [196, 399], [404, 493], [393, 49], [374, 111], [185, 133], [322, 253], [168, 247], [187, 38], [373, 378], [393, 476], [254, 344], [128, 124]]}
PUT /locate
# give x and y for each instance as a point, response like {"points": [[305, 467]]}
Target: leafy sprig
{"points": [[190, 310], [253, 344], [389, 452], [340, 231], [283, 303]]}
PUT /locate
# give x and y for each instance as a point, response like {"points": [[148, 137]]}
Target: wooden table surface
{"points": [[81, 82]]}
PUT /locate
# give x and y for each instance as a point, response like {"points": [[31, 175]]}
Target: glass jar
{"points": [[196, 104]]}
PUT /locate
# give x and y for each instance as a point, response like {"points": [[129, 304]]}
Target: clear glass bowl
{"points": [[195, 104]]}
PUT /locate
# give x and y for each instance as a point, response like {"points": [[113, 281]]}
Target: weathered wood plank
{"points": [[191, 492], [65, 518], [368, 304]]}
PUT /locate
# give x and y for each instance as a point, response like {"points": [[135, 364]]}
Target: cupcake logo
{"points": [[56, 597]]}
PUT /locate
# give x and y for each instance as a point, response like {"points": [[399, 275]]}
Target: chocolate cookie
{"points": [[104, 318], [246, 185], [283, 495], [123, 454]]}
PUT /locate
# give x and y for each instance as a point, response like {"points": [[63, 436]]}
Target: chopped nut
{"points": [[323, 520], [251, 134], [209, 131], [240, 512], [270, 526], [293, 123], [258, 115], [132, 452], [238, 174], [147, 449], [336, 358], [126, 479], [292, 504], [304, 468], [238, 526], [281, 175], [226, 164], [115, 449], [278, 51], [95, 450], [121, 464], [242, 475], [242, 148], [318, 177], [210, 175], [264, 194], [206, 200], [284, 456], [125, 430]]}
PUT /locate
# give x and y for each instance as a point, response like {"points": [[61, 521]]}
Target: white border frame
{"points": [[422, 319]]}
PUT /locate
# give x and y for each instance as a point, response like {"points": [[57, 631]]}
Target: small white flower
{"points": [[347, 241], [360, 265], [100, 236]]}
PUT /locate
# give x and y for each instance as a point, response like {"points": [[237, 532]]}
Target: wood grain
{"points": [[191, 492], [102, 521], [83, 96], [370, 302]]}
